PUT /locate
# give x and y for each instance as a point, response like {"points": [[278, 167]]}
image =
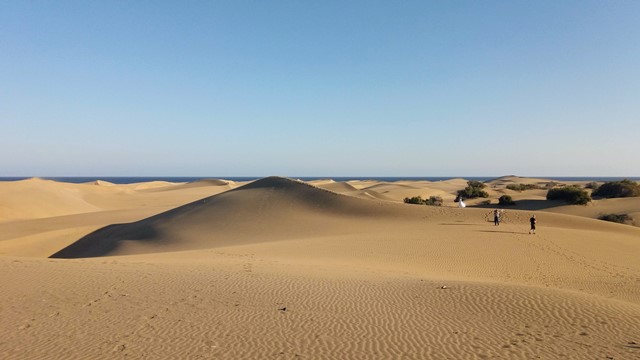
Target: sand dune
{"points": [[370, 194], [597, 208], [363, 191], [280, 268], [101, 183], [399, 190], [196, 184], [507, 180], [271, 208], [361, 184], [36, 198], [150, 185], [340, 187], [251, 307]]}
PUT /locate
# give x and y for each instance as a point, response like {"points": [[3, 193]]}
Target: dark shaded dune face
{"points": [[269, 209], [107, 240]]}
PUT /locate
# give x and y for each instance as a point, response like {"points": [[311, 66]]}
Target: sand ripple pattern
{"points": [[236, 307]]}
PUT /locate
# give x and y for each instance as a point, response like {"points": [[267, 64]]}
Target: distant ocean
{"points": [[130, 180]]}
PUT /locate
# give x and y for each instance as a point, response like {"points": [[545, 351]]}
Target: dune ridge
{"points": [[286, 208]]}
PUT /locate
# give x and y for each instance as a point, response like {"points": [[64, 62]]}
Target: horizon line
{"points": [[314, 176]]}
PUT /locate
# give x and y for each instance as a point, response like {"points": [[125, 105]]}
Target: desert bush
{"points": [[473, 190], [486, 202], [432, 200], [592, 185], [572, 194], [435, 201], [618, 218], [551, 185], [617, 189], [522, 187], [506, 200], [414, 200]]}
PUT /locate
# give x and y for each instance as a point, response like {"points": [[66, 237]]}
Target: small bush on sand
{"points": [[618, 218], [592, 185], [506, 200], [551, 185], [432, 200], [522, 187], [414, 200], [572, 194], [473, 190], [618, 189], [485, 202]]}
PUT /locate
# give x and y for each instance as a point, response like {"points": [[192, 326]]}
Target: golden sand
{"points": [[279, 268]]}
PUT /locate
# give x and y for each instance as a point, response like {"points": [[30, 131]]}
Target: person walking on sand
{"points": [[496, 217], [533, 224]]}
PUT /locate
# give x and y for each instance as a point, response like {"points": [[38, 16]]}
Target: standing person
{"points": [[533, 224], [496, 217]]}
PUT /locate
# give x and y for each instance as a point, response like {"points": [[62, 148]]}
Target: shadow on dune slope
{"points": [[528, 205], [269, 209]]}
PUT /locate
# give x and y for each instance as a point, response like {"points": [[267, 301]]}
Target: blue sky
{"points": [[301, 88]]}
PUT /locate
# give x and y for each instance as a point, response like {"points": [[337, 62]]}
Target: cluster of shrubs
{"points": [[618, 218], [592, 185], [432, 200], [506, 200], [572, 194], [472, 191], [618, 189], [522, 187]]}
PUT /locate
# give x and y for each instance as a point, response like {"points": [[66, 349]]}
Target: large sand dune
{"points": [[278, 268], [268, 209], [37, 198], [629, 206], [34, 198]]}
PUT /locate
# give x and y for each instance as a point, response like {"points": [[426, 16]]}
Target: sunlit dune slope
{"points": [[38, 198]]}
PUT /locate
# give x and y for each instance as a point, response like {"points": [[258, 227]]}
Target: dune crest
{"points": [[268, 209]]}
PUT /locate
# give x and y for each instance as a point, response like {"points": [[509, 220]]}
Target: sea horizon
{"points": [[140, 179]]}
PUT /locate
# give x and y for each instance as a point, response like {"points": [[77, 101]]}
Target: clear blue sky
{"points": [[308, 88]]}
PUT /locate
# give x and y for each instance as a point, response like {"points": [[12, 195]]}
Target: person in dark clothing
{"points": [[496, 217], [533, 224]]}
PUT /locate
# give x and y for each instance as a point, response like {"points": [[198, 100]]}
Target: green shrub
{"points": [[551, 185], [414, 200], [506, 200], [473, 190], [431, 201], [572, 194], [617, 189], [618, 218], [592, 185], [522, 187]]}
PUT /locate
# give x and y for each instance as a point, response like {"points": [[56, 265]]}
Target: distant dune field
{"points": [[280, 268]]}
